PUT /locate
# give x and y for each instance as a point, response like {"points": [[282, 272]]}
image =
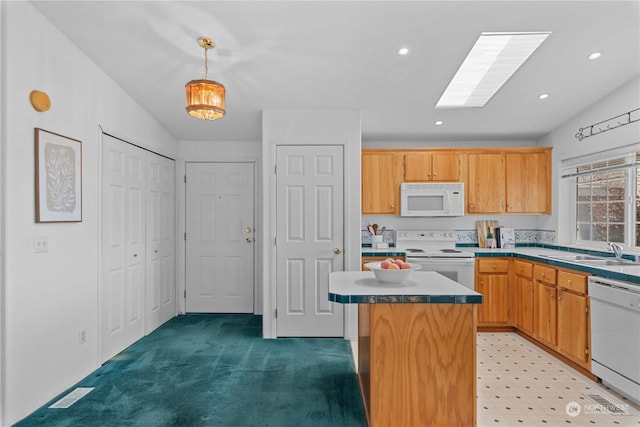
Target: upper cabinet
{"points": [[528, 177], [485, 189], [431, 166], [380, 186], [497, 180]]}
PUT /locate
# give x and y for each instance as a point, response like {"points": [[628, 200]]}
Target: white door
{"points": [[123, 246], [309, 239], [220, 234], [161, 244]]}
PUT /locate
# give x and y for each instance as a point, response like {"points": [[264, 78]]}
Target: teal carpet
{"points": [[216, 370]]}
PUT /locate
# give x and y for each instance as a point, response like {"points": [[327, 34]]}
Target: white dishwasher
{"points": [[615, 334]]}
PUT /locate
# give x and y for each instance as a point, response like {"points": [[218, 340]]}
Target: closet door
{"points": [[123, 246], [161, 244]]}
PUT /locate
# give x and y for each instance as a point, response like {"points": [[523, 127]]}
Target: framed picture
{"points": [[58, 177]]}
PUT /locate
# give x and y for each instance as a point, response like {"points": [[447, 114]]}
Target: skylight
{"points": [[492, 60]]}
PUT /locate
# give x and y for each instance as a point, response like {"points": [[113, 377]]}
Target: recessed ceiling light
{"points": [[438, 122], [595, 55], [492, 60], [403, 51], [543, 96]]}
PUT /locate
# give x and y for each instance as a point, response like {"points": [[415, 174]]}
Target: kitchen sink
{"points": [[608, 262], [575, 257]]}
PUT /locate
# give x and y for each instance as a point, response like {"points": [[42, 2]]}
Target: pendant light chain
{"points": [[206, 67]]}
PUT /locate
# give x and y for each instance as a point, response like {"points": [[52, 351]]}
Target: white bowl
{"points": [[391, 276]]}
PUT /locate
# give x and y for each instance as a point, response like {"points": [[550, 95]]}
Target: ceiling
{"points": [[342, 55]]}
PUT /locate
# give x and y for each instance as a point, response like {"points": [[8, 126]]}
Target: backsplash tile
{"points": [[470, 237]]}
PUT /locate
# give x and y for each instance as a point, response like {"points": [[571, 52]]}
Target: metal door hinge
{"points": [[185, 236], [185, 293], [275, 169], [276, 313], [185, 179]]}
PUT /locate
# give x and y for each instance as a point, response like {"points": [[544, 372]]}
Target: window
{"points": [[607, 197]]}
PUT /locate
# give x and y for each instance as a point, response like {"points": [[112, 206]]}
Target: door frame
{"points": [[352, 219], [181, 201]]}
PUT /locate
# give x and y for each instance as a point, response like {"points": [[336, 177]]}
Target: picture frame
{"points": [[58, 177]]}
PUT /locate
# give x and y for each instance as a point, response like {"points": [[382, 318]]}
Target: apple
{"points": [[405, 266], [385, 264], [393, 267]]}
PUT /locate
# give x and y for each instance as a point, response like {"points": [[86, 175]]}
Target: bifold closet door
{"points": [[123, 246], [160, 296]]}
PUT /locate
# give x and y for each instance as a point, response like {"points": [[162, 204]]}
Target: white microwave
{"points": [[432, 199]]}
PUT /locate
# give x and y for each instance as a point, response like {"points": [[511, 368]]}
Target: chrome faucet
{"points": [[615, 248]]}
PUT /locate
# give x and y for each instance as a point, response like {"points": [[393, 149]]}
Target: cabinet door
{"points": [[379, 187], [573, 326], [495, 305], [417, 167], [486, 183], [524, 292], [545, 313], [528, 182], [445, 167]]}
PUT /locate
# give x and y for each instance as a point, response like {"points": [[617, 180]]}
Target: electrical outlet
{"points": [[40, 244], [82, 336]]}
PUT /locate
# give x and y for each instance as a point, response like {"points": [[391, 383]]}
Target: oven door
{"points": [[458, 269]]}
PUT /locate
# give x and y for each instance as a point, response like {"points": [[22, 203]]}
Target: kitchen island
{"points": [[416, 348]]}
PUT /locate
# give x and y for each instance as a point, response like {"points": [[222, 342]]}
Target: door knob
{"points": [[248, 230], [337, 251], [248, 240]]}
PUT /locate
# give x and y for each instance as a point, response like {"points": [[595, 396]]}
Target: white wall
{"points": [[209, 151], [565, 145], [49, 298]]}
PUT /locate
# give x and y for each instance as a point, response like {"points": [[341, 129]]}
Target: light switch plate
{"points": [[40, 244]]}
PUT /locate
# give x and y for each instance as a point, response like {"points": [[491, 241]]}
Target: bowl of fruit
{"points": [[391, 270]]}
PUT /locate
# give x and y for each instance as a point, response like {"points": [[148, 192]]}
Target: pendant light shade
{"points": [[205, 98]]}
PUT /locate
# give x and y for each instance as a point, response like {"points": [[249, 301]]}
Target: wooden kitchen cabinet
{"points": [[528, 182], [380, 185], [492, 281], [573, 318], [523, 277], [431, 166], [545, 305], [485, 189]]}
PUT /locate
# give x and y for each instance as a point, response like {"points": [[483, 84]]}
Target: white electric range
{"points": [[435, 250]]}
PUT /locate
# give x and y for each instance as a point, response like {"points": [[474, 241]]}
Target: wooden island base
{"points": [[417, 364]]}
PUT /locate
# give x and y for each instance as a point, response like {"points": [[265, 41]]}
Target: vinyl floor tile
{"points": [[519, 384]]}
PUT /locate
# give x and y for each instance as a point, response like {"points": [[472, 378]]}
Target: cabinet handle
{"points": [[521, 268], [493, 266], [393, 206], [471, 206], [542, 274], [135, 255], [434, 174]]}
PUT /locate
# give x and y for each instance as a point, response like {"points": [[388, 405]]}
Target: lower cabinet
{"points": [[545, 313], [492, 281], [573, 317], [523, 299], [548, 304]]}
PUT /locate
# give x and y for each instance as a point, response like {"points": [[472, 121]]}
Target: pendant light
{"points": [[205, 98]]}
